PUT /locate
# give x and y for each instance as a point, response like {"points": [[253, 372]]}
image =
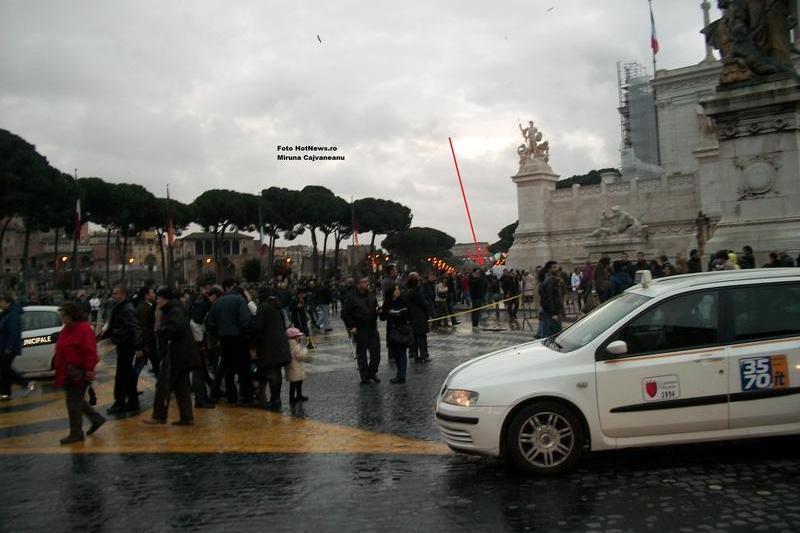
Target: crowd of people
{"points": [[221, 342]]}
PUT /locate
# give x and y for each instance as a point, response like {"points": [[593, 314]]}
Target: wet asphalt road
{"points": [[743, 486]]}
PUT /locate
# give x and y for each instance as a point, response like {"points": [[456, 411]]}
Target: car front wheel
{"points": [[545, 438]]}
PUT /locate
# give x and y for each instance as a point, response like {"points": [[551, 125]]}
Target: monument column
{"points": [[756, 110], [535, 182], [706, 6]]}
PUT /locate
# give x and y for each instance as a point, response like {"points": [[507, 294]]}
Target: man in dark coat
{"points": [[360, 315], [272, 348], [620, 279], [10, 345], [229, 319], [124, 331], [552, 301], [146, 314], [419, 312], [747, 260], [695, 265], [199, 376], [477, 292], [179, 354], [510, 287]]}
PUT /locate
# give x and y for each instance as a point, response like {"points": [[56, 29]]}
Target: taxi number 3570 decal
{"points": [[770, 372]]}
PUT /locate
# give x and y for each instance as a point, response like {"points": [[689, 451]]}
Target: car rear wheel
{"points": [[545, 438]]}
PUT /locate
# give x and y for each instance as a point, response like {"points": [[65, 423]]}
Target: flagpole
{"points": [[654, 50], [76, 237], [170, 238], [652, 36]]}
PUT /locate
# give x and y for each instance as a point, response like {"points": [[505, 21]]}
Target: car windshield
{"points": [[589, 327]]}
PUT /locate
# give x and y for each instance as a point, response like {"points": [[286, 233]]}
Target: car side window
{"points": [[682, 323], [40, 320], [765, 311]]}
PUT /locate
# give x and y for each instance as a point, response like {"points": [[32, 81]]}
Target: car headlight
{"points": [[464, 398]]}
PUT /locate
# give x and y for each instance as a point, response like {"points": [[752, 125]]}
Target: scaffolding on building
{"points": [[637, 113], [626, 73]]}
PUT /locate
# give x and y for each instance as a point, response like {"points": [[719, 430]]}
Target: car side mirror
{"points": [[617, 348]]}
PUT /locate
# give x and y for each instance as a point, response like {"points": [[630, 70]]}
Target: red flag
{"points": [[653, 36], [78, 220]]}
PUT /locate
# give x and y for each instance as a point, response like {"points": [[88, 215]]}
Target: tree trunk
{"points": [[124, 259], [314, 252], [271, 257], [372, 243], [3, 234], [108, 258], [218, 238], [338, 240], [56, 258], [25, 251], [325, 255]]}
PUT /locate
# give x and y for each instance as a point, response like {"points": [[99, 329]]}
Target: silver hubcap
{"points": [[546, 440]]}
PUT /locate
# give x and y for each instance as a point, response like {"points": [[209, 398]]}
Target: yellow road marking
{"points": [[226, 430], [222, 430]]}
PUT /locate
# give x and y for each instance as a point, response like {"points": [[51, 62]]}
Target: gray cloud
{"points": [[198, 94]]}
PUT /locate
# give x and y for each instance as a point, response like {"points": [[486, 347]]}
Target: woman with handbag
{"points": [[75, 359], [399, 334]]}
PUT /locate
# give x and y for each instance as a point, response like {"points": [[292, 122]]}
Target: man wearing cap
{"points": [[179, 354], [360, 315]]}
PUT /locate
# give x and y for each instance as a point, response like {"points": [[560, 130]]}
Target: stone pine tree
{"points": [[316, 206], [381, 217], [280, 213], [415, 245], [99, 205], [131, 216], [219, 210], [28, 187]]}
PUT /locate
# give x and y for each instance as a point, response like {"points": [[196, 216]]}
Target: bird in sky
{"points": [[549, 10], [318, 38]]}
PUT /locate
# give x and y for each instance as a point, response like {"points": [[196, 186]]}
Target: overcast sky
{"points": [[199, 93]]}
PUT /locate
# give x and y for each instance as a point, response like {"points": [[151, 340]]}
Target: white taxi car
{"points": [[690, 358], [40, 327]]}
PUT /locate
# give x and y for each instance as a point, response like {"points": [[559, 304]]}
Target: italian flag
{"points": [[653, 36]]}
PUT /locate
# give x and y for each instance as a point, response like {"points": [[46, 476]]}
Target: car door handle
{"points": [[709, 360]]}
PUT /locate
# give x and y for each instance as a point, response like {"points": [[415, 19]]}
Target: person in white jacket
{"points": [[295, 370]]}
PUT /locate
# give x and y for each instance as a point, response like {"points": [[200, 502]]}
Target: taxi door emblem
{"points": [[652, 388]]}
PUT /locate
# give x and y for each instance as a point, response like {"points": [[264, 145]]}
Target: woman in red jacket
{"points": [[76, 357]]}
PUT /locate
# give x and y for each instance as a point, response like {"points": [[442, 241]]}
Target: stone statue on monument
{"points": [[753, 39], [533, 150], [614, 221]]}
